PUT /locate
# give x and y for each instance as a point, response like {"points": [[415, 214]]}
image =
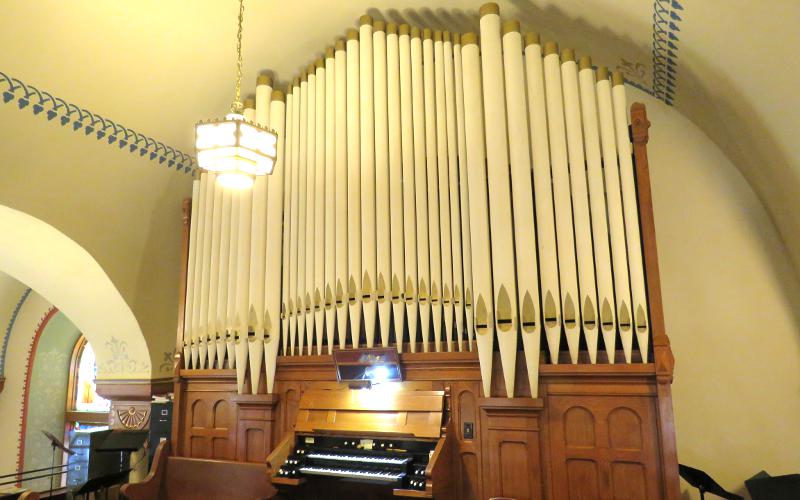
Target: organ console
{"points": [[395, 440], [476, 201]]}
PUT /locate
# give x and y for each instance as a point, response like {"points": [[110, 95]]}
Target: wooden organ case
{"points": [[481, 202]]}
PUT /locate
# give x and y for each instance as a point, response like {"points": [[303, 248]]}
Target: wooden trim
{"points": [[74, 365], [662, 353], [514, 404], [178, 389], [133, 389], [2, 384], [187, 219], [26, 391], [89, 417]]}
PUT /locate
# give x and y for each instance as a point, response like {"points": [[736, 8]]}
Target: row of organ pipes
{"points": [[433, 191]]}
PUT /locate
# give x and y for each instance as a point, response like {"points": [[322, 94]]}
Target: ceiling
{"points": [[157, 66]]}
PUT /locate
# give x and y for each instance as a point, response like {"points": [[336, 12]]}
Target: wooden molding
{"points": [[187, 219], [2, 384], [134, 389], [662, 353]]}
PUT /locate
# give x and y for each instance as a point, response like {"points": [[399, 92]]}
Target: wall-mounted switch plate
{"points": [[469, 430]]}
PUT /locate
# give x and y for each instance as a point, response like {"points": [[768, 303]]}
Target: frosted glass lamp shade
{"points": [[234, 145]]}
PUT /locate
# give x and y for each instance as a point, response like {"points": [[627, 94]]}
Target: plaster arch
{"points": [[71, 279]]}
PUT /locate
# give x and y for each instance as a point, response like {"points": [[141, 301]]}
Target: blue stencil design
{"points": [[666, 26], [44, 104], [10, 327]]}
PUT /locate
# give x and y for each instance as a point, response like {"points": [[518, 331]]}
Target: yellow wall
{"points": [[28, 319], [123, 209], [730, 299]]}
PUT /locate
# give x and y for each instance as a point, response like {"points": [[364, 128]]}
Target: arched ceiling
{"points": [[158, 66]]}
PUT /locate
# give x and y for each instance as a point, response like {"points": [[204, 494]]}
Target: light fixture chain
{"points": [[237, 106]]}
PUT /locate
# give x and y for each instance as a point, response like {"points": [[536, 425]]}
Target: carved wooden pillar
{"points": [[187, 219], [511, 443], [662, 353], [255, 426]]}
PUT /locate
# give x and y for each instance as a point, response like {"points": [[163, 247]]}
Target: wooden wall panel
{"points": [[593, 433], [604, 445], [210, 428], [512, 452]]}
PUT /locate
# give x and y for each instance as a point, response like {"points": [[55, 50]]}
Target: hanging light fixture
{"points": [[235, 148]]}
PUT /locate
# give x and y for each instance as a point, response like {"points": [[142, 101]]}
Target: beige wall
{"points": [[730, 300], [28, 319], [121, 208]]}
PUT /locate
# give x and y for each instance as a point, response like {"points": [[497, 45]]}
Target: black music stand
{"points": [[101, 483], [704, 483], [762, 486], [55, 443]]}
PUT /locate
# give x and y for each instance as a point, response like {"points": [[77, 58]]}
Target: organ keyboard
{"points": [[384, 441]]}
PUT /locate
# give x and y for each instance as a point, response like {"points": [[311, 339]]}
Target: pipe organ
{"points": [[475, 201], [431, 188]]}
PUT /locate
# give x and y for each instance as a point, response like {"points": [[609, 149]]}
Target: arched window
{"points": [[86, 411], [84, 406]]}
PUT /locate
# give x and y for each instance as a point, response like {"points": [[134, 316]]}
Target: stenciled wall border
{"points": [[7, 336], [666, 26], [44, 104], [52, 311]]}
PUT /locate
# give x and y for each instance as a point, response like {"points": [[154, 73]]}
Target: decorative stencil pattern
{"points": [[120, 361], [59, 111], [666, 26], [10, 327]]}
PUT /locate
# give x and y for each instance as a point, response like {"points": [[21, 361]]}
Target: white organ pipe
{"points": [[478, 207], [330, 198], [242, 275], [319, 206], [233, 266], [382, 193], [367, 121], [263, 100], [433, 190], [286, 312], [396, 188], [522, 193], [580, 202], [616, 223], [340, 126], [443, 170], [249, 112], [543, 195], [353, 187], [302, 218], [410, 229], [222, 279], [188, 310], [502, 232], [205, 271], [274, 237], [213, 277], [294, 248], [421, 189], [457, 298], [631, 210], [561, 199], [311, 213], [258, 252], [258, 244], [466, 243], [597, 201]]}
